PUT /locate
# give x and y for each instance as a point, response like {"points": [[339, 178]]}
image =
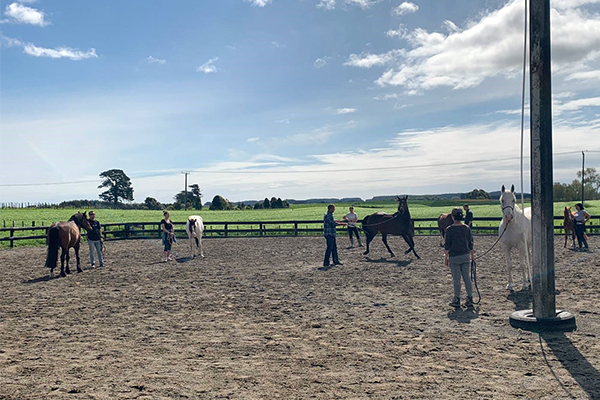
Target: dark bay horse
{"points": [[398, 224], [444, 221], [568, 225], [65, 235]]}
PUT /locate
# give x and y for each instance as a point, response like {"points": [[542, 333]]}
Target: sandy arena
{"points": [[256, 319]]}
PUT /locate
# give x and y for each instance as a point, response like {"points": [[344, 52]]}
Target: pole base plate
{"points": [[524, 319]]}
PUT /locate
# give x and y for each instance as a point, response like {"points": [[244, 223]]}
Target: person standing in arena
{"points": [[351, 219]]}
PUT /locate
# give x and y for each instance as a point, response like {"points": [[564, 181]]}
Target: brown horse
{"points": [[444, 221], [568, 225], [65, 235], [397, 224]]}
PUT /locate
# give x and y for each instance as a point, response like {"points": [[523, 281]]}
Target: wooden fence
{"points": [[151, 230]]}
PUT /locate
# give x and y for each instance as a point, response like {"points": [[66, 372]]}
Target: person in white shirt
{"points": [[352, 219]]}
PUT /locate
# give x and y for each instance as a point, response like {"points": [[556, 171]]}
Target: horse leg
{"points": [[523, 265], [191, 238], [369, 239], [410, 241], [76, 247], [62, 263], [384, 239], [199, 245], [68, 257], [510, 285]]}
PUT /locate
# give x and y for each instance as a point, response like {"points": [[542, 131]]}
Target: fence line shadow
{"points": [[573, 361]]}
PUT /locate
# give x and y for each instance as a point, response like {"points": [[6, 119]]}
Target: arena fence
{"points": [[151, 230]]}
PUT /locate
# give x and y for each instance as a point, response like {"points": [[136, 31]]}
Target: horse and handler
{"points": [[65, 235]]}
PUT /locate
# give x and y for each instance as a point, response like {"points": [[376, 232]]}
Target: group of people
{"points": [[458, 245]]}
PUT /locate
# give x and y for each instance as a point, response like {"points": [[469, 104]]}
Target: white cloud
{"points": [[574, 105], [399, 33], [259, 3], [326, 4], [346, 110], [279, 45], [209, 66], [386, 97], [20, 14], [152, 60], [283, 121], [60, 52], [367, 60], [585, 75], [320, 62], [252, 139], [489, 47], [405, 8], [364, 4], [450, 26], [316, 136]]}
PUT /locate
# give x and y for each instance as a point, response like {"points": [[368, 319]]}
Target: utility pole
{"points": [[186, 173], [544, 313], [582, 178]]}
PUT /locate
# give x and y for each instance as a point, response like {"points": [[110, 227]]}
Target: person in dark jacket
{"points": [[458, 254], [468, 216], [94, 239]]}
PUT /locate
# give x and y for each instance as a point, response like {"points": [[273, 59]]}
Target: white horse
{"points": [[517, 235], [194, 228]]}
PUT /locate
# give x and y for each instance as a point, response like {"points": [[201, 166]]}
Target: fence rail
{"points": [[140, 230]]}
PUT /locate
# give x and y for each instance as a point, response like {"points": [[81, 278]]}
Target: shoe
{"points": [[360, 245], [93, 266], [469, 302], [165, 260], [102, 265], [327, 265], [338, 263], [455, 302], [170, 259]]}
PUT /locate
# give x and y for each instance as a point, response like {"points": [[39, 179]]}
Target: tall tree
{"points": [[194, 197], [152, 204], [118, 184]]}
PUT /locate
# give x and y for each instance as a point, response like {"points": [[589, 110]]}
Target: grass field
{"points": [[303, 212]]}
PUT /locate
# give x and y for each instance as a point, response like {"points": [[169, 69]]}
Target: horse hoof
{"points": [[365, 253], [79, 270], [63, 275], [392, 255]]}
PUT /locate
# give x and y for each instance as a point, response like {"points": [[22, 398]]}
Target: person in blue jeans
{"points": [[95, 240], [581, 217], [329, 231]]}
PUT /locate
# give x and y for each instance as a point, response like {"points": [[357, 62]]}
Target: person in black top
{"points": [[95, 240], [168, 235], [458, 252], [468, 216]]}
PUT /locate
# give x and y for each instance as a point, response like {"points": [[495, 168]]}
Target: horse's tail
{"points": [[53, 245]]}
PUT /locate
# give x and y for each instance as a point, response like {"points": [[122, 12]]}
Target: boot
{"points": [[351, 241]]}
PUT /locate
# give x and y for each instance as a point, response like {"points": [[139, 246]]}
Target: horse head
{"points": [[402, 204], [508, 201], [82, 221], [192, 222], [567, 213]]}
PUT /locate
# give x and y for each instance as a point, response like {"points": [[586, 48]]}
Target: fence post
{"points": [[33, 223], [12, 233], [226, 229], [260, 229], [295, 229]]}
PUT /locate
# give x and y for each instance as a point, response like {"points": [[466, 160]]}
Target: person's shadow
{"points": [[464, 316], [44, 278], [573, 361]]}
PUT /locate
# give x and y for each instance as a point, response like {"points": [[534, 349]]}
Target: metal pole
{"points": [[544, 301], [185, 189], [582, 178]]}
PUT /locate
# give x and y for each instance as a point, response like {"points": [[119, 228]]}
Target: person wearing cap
{"points": [[94, 239], [351, 219], [329, 231], [458, 254], [468, 216]]}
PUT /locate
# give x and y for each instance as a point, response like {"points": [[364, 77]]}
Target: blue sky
{"points": [[285, 98]]}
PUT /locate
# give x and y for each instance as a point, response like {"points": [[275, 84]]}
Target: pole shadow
{"points": [[573, 361], [522, 299]]}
